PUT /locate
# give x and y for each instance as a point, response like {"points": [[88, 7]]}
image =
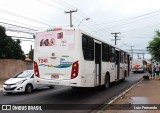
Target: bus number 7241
{"points": [[43, 60]]}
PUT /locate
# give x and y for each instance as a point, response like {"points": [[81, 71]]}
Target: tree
{"points": [[154, 47], [10, 48]]}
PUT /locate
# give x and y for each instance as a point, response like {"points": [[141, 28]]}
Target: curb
{"points": [[117, 97]]}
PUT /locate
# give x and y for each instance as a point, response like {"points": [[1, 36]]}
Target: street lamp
{"points": [[83, 20]]}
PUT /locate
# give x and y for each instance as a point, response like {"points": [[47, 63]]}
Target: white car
{"points": [[22, 82]]}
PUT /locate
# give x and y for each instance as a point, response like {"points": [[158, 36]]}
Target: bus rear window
{"points": [[59, 40]]}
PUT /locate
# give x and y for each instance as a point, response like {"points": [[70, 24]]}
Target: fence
{"points": [[10, 67]]}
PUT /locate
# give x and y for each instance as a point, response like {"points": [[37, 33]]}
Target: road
{"points": [[91, 97]]}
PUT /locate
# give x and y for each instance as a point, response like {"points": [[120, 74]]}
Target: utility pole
{"points": [[115, 36], [31, 47], [132, 51], [143, 55], [139, 56], [70, 12]]}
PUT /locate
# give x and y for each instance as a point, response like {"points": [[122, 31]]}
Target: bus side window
{"points": [[105, 52], [122, 57], [112, 54], [84, 41], [88, 47]]}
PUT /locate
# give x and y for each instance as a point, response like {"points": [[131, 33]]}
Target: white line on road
{"points": [[115, 98]]}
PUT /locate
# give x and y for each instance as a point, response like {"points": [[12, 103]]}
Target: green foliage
{"points": [[31, 54], [2, 31], [154, 47], [9, 48]]}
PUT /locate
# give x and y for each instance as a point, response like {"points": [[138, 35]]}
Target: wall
{"points": [[10, 67]]}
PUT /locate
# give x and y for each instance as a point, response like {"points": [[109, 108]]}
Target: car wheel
{"points": [[28, 88], [51, 86]]}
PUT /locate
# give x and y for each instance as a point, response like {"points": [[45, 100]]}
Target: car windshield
{"points": [[24, 74]]}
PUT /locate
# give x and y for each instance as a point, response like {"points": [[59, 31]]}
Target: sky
{"points": [[136, 20]]}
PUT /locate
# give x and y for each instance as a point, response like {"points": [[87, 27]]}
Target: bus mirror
{"points": [[34, 36]]}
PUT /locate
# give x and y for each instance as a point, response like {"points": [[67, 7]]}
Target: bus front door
{"points": [[97, 63]]}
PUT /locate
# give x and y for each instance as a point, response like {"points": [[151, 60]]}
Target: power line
{"points": [[16, 22], [58, 7], [80, 14], [50, 5], [129, 23], [13, 30], [25, 40], [69, 6], [138, 37], [20, 16], [64, 4], [145, 27], [157, 11], [18, 26], [137, 50], [37, 28], [21, 37], [135, 37]]}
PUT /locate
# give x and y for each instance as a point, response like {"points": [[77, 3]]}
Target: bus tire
{"points": [[125, 75], [73, 87], [51, 86], [107, 82]]}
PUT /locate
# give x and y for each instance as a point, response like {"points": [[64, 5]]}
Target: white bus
{"points": [[72, 57], [138, 65]]}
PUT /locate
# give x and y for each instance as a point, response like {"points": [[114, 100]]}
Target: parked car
{"points": [[22, 82]]}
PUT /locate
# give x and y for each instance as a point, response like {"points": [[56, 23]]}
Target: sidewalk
{"points": [[145, 92]]}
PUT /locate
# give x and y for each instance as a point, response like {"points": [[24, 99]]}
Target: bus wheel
{"points": [[74, 88], [107, 82], [125, 74], [51, 86]]}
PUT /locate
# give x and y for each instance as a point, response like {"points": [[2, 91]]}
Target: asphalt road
{"points": [[94, 98]]}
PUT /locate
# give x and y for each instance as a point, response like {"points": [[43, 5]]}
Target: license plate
{"points": [[55, 76], [54, 83], [8, 86]]}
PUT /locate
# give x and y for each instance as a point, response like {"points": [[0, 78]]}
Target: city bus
{"points": [[73, 57], [138, 65]]}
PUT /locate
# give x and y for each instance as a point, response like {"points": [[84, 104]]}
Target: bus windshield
{"points": [[56, 40]]}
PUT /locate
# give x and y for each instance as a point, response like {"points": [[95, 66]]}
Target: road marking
{"points": [[115, 98]]}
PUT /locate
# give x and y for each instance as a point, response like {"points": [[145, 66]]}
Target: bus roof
{"points": [[95, 37]]}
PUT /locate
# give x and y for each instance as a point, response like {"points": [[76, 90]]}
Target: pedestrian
{"points": [[153, 72], [157, 71], [149, 71]]}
